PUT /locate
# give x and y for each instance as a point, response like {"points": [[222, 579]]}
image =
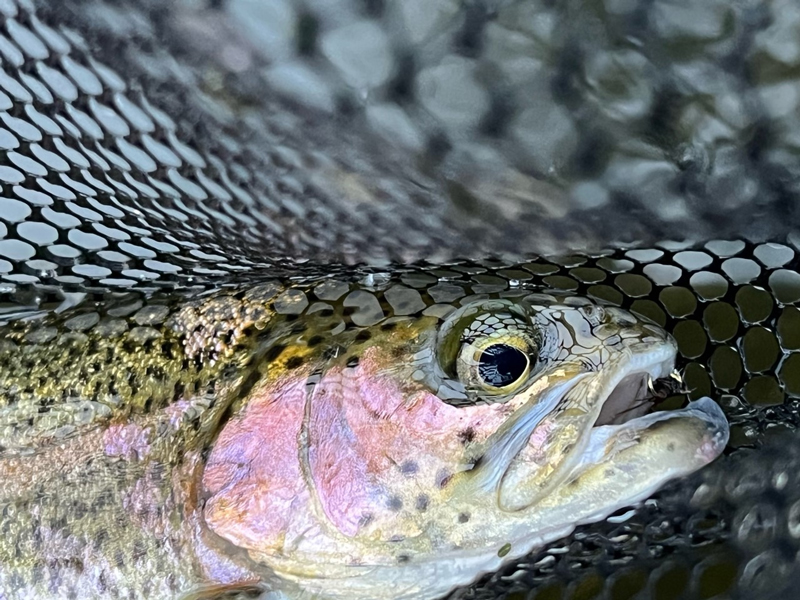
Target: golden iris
{"points": [[496, 364]]}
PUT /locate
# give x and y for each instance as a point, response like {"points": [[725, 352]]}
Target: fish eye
{"points": [[490, 347], [498, 364]]}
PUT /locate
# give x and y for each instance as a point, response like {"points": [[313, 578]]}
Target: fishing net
{"points": [[151, 145]]}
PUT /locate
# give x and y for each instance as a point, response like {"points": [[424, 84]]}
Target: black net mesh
{"points": [[182, 141], [150, 145]]}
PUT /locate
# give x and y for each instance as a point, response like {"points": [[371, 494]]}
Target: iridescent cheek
{"points": [[354, 451], [252, 480]]}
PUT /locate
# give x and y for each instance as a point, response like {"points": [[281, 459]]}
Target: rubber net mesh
{"points": [[150, 145]]}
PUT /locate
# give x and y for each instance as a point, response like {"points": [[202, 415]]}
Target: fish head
{"points": [[428, 449]]}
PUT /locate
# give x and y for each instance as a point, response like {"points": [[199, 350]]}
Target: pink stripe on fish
{"points": [[127, 441], [258, 498], [345, 489]]}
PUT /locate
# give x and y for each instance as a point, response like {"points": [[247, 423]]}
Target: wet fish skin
{"points": [[104, 410], [64, 372], [119, 492], [700, 364]]}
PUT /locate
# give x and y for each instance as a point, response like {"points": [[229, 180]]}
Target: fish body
{"points": [[342, 439]]}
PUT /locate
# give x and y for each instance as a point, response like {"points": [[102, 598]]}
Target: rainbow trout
{"points": [[394, 435], [388, 437]]}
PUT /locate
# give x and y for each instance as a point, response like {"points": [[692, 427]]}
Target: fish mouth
{"points": [[628, 411], [602, 396], [590, 419], [638, 394]]}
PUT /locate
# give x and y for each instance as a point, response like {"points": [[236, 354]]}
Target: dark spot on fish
{"points": [[409, 467], [352, 362], [395, 503], [388, 326], [100, 538], [348, 310], [443, 477], [403, 558], [274, 352], [291, 318], [399, 351], [422, 503], [365, 519], [463, 517], [326, 312], [465, 436], [671, 446], [363, 335], [315, 340], [294, 362]]}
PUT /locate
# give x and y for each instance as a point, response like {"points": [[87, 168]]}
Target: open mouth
{"points": [[629, 412], [625, 394], [638, 394]]}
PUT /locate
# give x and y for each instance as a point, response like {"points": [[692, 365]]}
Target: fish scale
{"points": [[108, 187]]}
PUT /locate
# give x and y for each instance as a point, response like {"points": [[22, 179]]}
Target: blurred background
{"points": [[525, 125]]}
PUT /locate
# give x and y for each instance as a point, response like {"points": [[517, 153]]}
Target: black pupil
{"points": [[501, 365]]}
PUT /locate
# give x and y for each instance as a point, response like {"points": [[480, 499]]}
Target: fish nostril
{"points": [[594, 313]]}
